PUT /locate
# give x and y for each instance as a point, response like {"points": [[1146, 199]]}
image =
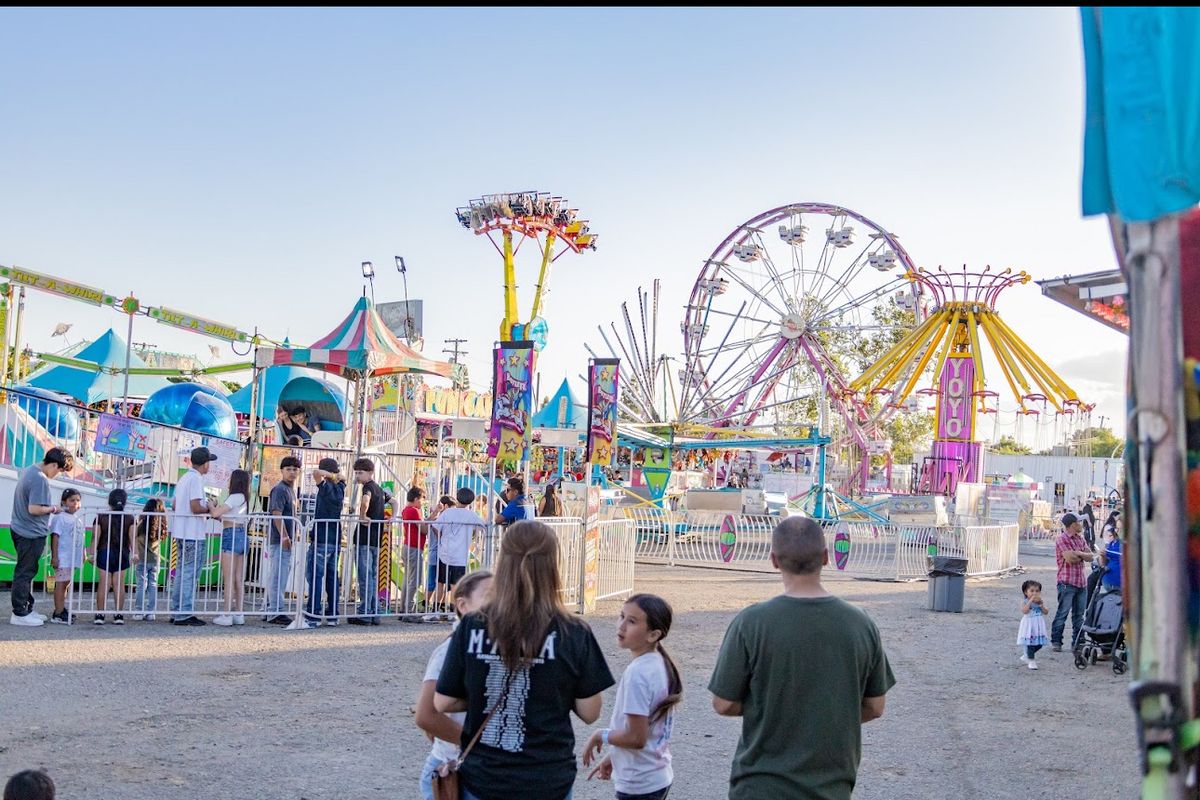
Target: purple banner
{"points": [[956, 411], [512, 390], [603, 380]]}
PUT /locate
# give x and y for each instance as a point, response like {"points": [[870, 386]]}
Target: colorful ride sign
{"points": [[53, 285], [603, 380], [122, 436], [512, 392], [956, 417]]}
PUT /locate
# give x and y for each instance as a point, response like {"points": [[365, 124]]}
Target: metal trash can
{"points": [[947, 580]]}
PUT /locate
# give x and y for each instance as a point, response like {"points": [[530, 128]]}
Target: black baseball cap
{"points": [[1069, 519], [201, 456], [289, 461]]}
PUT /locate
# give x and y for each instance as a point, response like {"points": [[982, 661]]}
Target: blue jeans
{"points": [[145, 573], [431, 570], [368, 581], [1071, 599], [432, 762], [322, 572], [279, 568], [187, 574]]}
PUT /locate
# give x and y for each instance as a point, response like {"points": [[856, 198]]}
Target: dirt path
{"points": [[152, 711]]}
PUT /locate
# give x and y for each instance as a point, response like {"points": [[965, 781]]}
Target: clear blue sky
{"points": [[240, 164]]}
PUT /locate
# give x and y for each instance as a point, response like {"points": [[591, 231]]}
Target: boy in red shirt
{"points": [[414, 544]]}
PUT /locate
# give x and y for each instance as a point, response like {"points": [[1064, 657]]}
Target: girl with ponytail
{"points": [[519, 668], [639, 763], [112, 552]]}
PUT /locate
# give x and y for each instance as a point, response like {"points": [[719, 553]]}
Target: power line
{"points": [[455, 353]]}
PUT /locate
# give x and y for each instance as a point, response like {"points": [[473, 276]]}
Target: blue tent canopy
{"points": [[89, 387], [563, 411]]}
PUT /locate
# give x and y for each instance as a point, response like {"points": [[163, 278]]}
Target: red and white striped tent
{"points": [[360, 346]]}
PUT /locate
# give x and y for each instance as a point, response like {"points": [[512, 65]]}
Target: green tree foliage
{"points": [[1009, 446], [1097, 443]]}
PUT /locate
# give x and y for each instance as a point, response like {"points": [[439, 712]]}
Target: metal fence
{"points": [[858, 550], [131, 564]]}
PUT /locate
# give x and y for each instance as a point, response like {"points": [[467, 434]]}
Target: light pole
{"points": [[368, 272], [409, 328]]}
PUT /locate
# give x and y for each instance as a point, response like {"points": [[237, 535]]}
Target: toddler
{"points": [[1032, 634]]}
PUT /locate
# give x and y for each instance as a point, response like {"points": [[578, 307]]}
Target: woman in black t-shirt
{"points": [[527, 661]]}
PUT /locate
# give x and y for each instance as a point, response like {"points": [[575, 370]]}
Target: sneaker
{"points": [[151, 618], [28, 621], [376, 621], [1033, 664], [98, 619], [359, 621], [224, 620], [332, 623], [118, 619], [42, 617], [1056, 648], [189, 621], [1024, 657], [138, 617], [239, 619], [280, 619], [60, 618]]}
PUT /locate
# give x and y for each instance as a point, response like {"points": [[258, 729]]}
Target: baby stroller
{"points": [[1103, 633]]}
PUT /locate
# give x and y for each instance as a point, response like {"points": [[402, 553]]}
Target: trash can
{"points": [[947, 579]]}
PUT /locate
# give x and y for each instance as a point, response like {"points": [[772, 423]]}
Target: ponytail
{"points": [[674, 687]]}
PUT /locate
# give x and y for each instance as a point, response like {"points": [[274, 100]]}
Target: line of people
{"points": [[124, 539], [803, 671]]}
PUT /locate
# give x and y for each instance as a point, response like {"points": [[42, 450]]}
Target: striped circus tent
{"points": [[361, 345]]}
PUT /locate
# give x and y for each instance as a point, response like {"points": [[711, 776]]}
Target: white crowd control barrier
{"points": [[343, 570], [856, 549]]}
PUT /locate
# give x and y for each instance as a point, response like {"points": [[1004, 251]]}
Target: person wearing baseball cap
{"points": [[189, 528], [322, 566], [281, 505], [1070, 551]]}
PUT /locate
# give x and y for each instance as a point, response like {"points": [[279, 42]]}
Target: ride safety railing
{"points": [[856, 549], [304, 573]]}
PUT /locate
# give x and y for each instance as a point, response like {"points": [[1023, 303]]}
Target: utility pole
{"points": [[454, 356]]}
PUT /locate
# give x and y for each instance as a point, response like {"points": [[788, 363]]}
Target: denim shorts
{"points": [[233, 540]]}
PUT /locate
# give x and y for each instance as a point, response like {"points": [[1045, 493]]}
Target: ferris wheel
{"points": [[771, 307]]}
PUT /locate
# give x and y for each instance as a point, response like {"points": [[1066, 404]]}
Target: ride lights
{"points": [[840, 237], [793, 235]]}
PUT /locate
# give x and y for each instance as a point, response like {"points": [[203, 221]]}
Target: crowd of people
{"points": [[433, 552]]}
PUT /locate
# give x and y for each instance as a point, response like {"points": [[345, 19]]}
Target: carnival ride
{"points": [[963, 316], [769, 314], [530, 215]]}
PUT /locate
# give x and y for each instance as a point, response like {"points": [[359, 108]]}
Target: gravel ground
{"points": [[151, 711]]}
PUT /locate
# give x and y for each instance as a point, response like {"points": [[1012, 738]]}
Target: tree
{"points": [[1097, 443], [1009, 446]]}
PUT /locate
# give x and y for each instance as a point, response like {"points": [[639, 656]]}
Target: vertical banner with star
{"points": [[603, 379], [512, 390]]}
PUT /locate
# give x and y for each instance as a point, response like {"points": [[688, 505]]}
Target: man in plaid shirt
{"points": [[1070, 551]]}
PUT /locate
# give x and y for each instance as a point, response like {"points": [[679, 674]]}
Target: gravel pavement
{"points": [[152, 711]]}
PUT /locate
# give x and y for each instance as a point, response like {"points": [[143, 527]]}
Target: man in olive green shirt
{"points": [[803, 670]]}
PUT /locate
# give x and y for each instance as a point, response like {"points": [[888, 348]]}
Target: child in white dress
{"points": [[1032, 633]]}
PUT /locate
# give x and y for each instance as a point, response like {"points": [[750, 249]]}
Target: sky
{"points": [[240, 164]]}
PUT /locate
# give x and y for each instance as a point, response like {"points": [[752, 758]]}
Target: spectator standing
{"points": [[518, 507], [414, 543], [458, 526], [67, 535], [1070, 551], [551, 505], [523, 664], [434, 590], [804, 670], [30, 526], [327, 543], [446, 729], [1110, 554], [112, 545], [368, 538], [147, 558], [189, 530], [233, 547], [281, 505]]}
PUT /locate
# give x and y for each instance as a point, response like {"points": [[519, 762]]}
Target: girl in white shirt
{"points": [[639, 763], [445, 730], [233, 546]]}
